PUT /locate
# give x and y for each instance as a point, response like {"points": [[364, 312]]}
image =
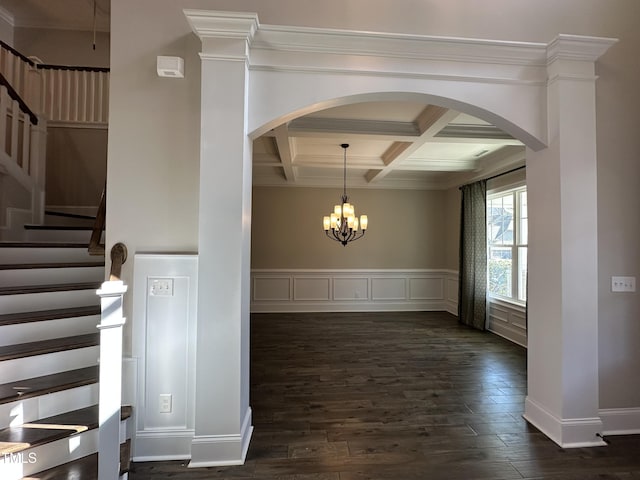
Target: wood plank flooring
{"points": [[395, 396]]}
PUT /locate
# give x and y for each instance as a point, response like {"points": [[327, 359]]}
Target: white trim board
{"points": [[353, 290]]}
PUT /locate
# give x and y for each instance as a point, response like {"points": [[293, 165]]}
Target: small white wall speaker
{"points": [[170, 67]]}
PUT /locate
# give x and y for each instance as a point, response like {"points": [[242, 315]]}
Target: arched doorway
{"points": [[254, 78]]}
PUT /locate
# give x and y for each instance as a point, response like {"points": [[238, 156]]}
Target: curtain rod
{"points": [[497, 175]]}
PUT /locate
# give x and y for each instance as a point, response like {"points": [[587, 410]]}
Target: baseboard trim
{"points": [[567, 433], [162, 445], [620, 421], [222, 450]]}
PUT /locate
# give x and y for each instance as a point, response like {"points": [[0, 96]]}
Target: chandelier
{"points": [[342, 225]]}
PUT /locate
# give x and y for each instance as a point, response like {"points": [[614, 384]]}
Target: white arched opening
{"points": [[256, 77]]}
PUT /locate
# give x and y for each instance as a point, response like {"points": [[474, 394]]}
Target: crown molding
{"points": [[578, 47], [351, 42], [215, 24]]}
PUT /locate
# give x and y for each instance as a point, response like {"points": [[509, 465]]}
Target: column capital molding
{"points": [[578, 48], [209, 24]]}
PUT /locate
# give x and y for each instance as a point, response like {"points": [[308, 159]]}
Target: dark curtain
{"points": [[472, 287]]}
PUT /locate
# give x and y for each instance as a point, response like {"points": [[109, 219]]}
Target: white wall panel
{"points": [[390, 288], [508, 320], [354, 290], [350, 288], [272, 288], [164, 339], [426, 288], [305, 288]]}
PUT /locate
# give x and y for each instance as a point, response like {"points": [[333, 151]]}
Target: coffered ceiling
{"points": [[392, 144]]}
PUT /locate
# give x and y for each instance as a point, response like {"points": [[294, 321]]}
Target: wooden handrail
{"points": [[17, 53], [118, 251], [15, 96], [46, 66], [118, 257], [95, 247]]}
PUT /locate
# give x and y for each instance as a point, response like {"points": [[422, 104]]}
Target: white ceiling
{"points": [[392, 144]]}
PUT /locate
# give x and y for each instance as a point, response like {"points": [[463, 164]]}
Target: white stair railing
{"points": [[22, 146]]}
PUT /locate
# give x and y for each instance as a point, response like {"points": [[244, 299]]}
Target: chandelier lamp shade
{"points": [[342, 225]]}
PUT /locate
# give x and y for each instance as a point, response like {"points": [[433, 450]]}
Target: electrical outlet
{"points": [[623, 284], [165, 403]]}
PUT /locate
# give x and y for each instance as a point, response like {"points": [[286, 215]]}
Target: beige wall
{"points": [[76, 166], [406, 229], [63, 47], [452, 228], [6, 31], [153, 145]]}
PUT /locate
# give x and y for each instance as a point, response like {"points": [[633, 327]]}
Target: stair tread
{"points": [[53, 314], [50, 429], [85, 468], [43, 244], [33, 387], [28, 266], [58, 287], [59, 227], [22, 350]]}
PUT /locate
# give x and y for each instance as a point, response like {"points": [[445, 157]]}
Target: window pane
{"points": [[524, 219], [499, 267], [522, 273], [500, 220]]}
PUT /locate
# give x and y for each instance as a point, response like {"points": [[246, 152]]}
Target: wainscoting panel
{"points": [[351, 288], [272, 288], [508, 320], [426, 288], [310, 288], [389, 288], [354, 290]]}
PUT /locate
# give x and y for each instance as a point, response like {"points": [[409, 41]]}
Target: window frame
{"points": [[515, 190]]}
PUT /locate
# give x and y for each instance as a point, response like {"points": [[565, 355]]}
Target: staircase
{"points": [[49, 349]]}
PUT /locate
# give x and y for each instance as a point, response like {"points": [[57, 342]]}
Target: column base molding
{"points": [[567, 433], [222, 450]]}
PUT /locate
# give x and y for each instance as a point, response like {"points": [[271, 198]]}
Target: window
{"points": [[507, 232]]}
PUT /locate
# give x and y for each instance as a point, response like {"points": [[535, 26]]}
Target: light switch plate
{"points": [[161, 287], [623, 284]]}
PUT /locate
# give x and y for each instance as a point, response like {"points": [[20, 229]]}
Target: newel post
{"points": [[111, 325], [38, 168]]}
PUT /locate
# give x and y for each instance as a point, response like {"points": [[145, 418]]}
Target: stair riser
{"points": [[50, 276], [49, 300], [51, 455], [12, 255], [31, 409], [45, 330], [58, 236], [47, 364]]}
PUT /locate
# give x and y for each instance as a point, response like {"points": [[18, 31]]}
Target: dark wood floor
{"points": [[395, 396]]}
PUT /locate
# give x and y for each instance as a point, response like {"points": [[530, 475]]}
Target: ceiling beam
{"points": [[430, 122], [283, 142], [341, 127]]}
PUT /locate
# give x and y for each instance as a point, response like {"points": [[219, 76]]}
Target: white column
{"points": [[111, 324], [562, 398], [223, 416]]}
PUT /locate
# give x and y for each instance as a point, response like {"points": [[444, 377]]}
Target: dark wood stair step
{"points": [[31, 266], [43, 245], [86, 468], [34, 387], [44, 315], [55, 213], [50, 429], [62, 287], [87, 228], [41, 347]]}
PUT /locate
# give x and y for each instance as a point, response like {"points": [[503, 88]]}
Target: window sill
{"points": [[515, 305]]}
